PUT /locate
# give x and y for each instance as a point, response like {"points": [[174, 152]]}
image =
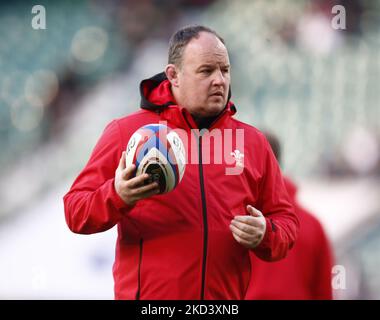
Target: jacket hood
{"points": [[156, 94]]}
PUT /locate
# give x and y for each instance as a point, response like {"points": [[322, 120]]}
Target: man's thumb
{"points": [[253, 211]]}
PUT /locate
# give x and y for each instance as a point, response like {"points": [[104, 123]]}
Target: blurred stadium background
{"points": [[317, 88]]}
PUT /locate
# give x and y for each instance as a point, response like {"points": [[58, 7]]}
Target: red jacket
{"points": [[178, 245], [305, 273]]}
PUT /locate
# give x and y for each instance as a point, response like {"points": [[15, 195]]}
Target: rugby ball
{"points": [[159, 151]]}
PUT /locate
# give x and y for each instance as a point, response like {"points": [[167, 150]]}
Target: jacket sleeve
{"points": [[281, 221], [92, 204]]}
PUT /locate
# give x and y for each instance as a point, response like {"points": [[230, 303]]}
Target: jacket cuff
{"points": [[266, 241], [117, 201]]}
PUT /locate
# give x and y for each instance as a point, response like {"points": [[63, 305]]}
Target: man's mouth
{"points": [[218, 94]]}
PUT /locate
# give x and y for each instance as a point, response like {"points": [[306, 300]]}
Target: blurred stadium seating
{"points": [[33, 62], [315, 87]]}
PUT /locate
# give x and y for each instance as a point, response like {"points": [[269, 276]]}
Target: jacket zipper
{"points": [[204, 212], [139, 271], [204, 207]]}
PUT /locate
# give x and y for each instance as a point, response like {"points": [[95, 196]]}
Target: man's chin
{"points": [[214, 109]]}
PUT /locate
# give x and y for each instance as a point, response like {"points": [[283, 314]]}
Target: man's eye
{"points": [[226, 70], [206, 71]]}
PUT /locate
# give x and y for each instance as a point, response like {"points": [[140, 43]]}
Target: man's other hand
{"points": [[249, 230]]}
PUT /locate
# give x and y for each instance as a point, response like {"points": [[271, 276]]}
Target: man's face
{"points": [[204, 76]]}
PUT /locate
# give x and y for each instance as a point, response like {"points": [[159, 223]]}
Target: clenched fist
{"points": [[249, 230]]}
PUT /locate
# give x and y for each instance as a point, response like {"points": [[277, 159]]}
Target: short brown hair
{"points": [[182, 37]]}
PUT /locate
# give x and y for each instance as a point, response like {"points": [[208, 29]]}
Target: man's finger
{"points": [[253, 211], [252, 221], [146, 189], [137, 181], [241, 234], [243, 226], [127, 173], [243, 242], [150, 193]]}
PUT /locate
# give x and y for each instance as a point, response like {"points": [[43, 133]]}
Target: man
{"points": [[305, 274], [193, 242]]}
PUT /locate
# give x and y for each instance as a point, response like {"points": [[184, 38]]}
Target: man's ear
{"points": [[171, 72]]}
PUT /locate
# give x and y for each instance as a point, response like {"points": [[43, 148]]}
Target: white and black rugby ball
{"points": [[159, 151]]}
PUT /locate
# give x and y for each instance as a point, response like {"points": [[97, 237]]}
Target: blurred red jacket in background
{"points": [[305, 273]]}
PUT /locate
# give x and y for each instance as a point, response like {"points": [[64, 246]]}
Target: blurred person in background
{"points": [[305, 274], [194, 242]]}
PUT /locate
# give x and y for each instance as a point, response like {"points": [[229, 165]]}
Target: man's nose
{"points": [[219, 78]]}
